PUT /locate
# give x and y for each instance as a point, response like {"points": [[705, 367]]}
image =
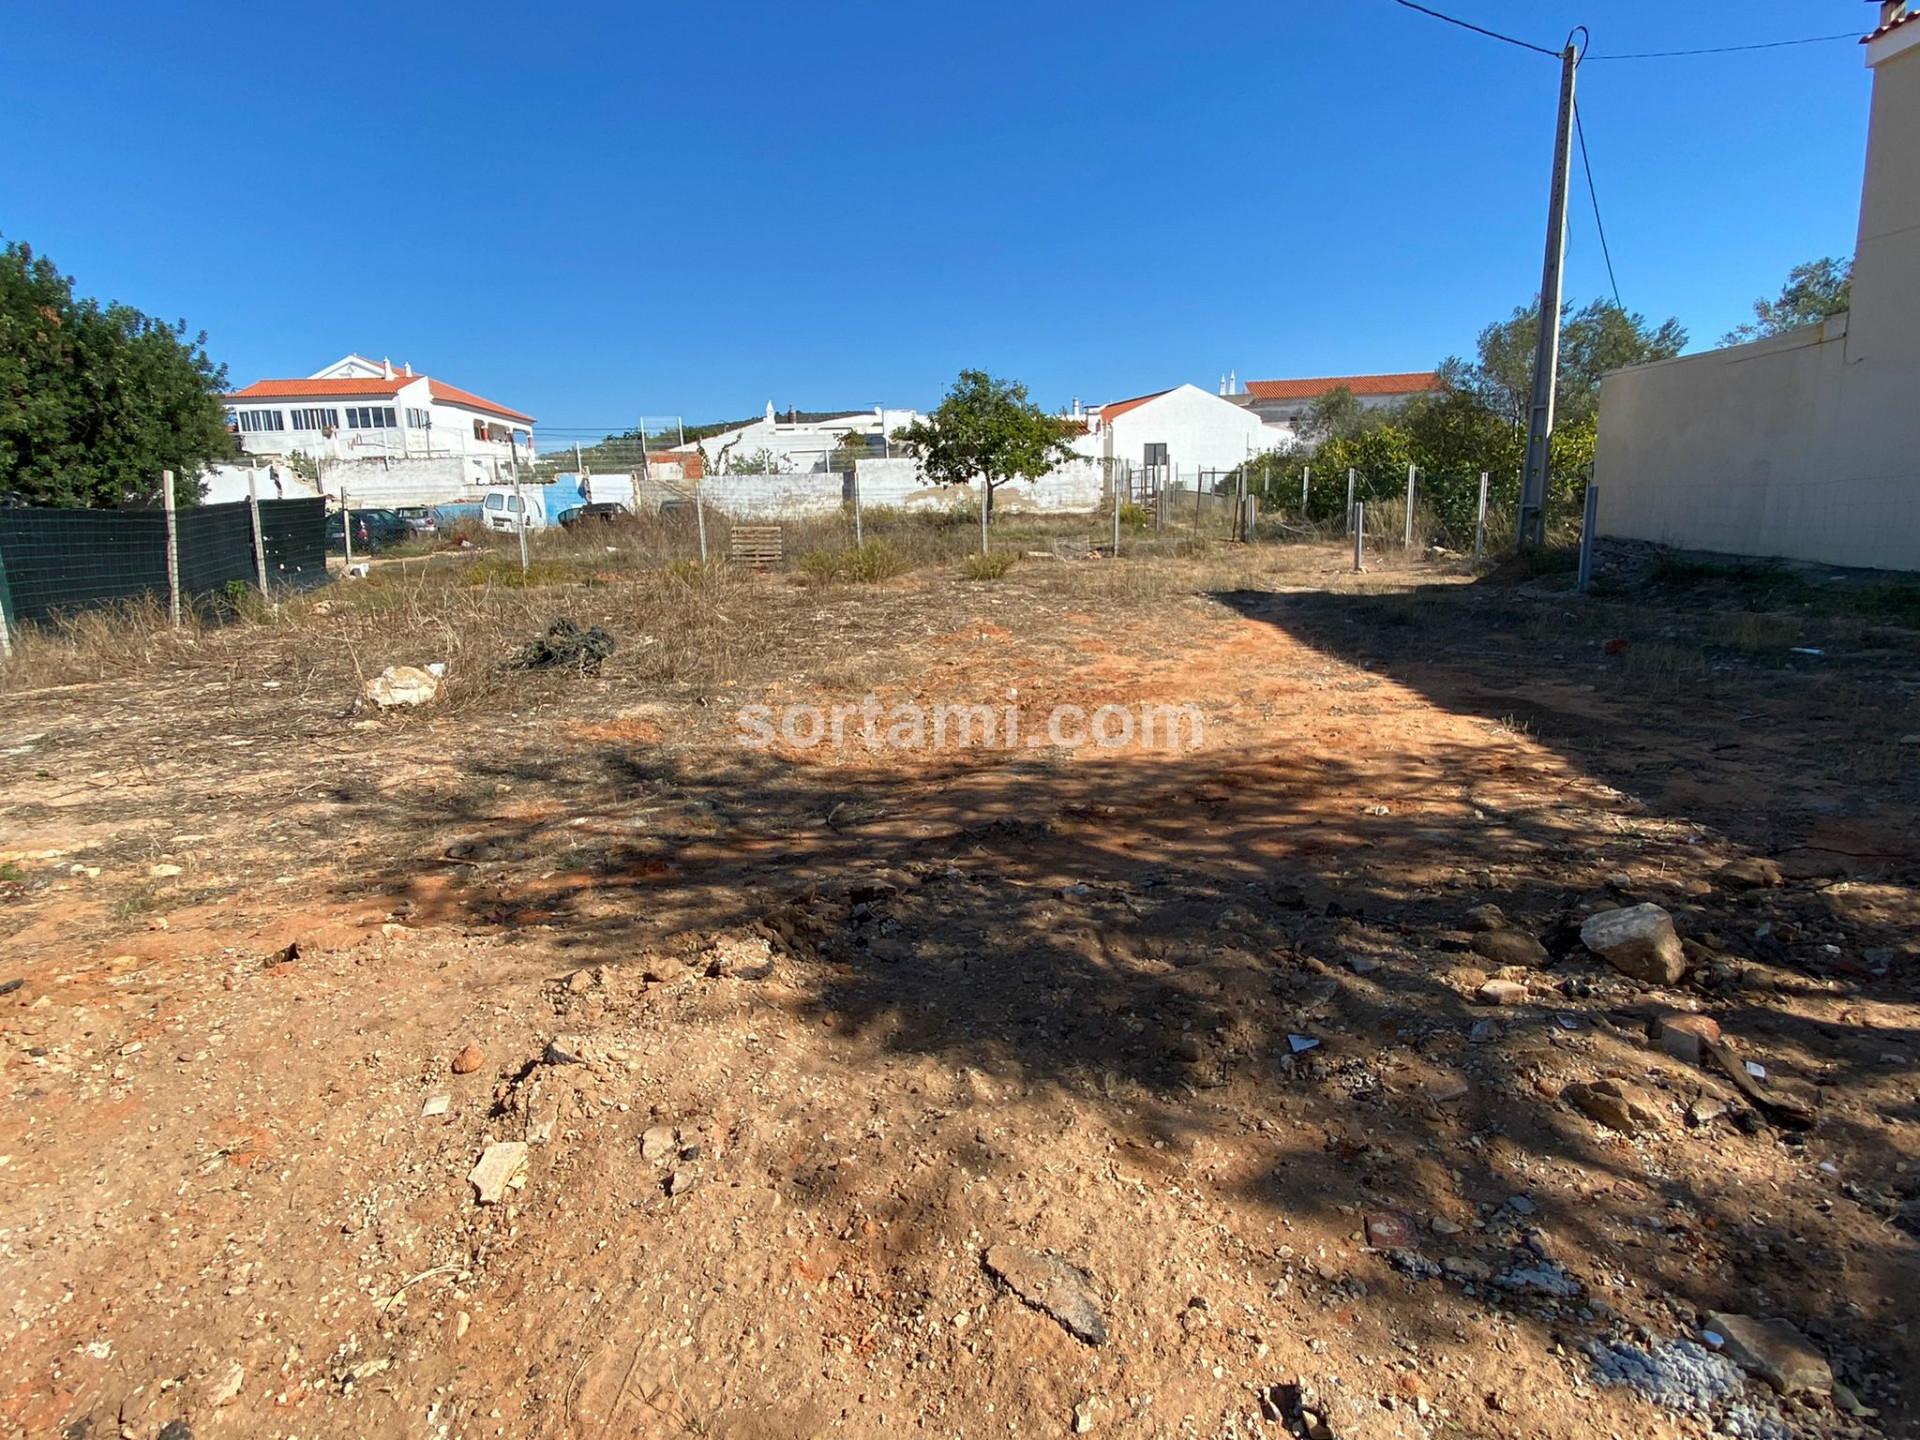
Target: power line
{"points": [[1580, 129], [1479, 29], [1728, 49]]}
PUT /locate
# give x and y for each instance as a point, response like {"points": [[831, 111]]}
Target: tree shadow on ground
{"points": [[1270, 950]]}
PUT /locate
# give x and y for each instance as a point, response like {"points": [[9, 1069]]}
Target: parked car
{"points": [[603, 511], [420, 519], [372, 530]]}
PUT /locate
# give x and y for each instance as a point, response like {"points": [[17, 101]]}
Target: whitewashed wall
{"points": [[1077, 485]]}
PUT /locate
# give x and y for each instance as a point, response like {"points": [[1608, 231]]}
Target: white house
{"points": [[361, 409], [1804, 445], [1176, 433], [797, 446], [1283, 404]]}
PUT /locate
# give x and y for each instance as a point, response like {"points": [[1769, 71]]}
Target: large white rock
{"points": [[403, 685], [1638, 941]]}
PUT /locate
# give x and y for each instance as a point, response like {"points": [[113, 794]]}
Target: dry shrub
{"points": [[864, 564], [97, 643], [991, 566]]}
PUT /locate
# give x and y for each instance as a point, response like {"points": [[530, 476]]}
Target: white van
{"points": [[507, 508]]}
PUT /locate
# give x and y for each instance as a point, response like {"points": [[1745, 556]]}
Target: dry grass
{"points": [[991, 566]]}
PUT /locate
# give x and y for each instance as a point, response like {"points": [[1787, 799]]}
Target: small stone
{"points": [[1388, 1231], [1704, 1111], [1481, 1032], [470, 1059], [1684, 1035], [163, 871], [1440, 1225], [1521, 1205], [1362, 964], [740, 957], [1638, 941], [1462, 1267], [678, 1183], [461, 1324], [1509, 947], [1501, 992], [1083, 1418], [1616, 1104], [1754, 872], [565, 1050], [227, 1386], [580, 982], [499, 1165], [657, 1142], [435, 1105], [1050, 1285], [1775, 1351], [1484, 917]]}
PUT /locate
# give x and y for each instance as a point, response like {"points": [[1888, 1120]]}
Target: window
{"points": [[254, 421], [419, 419], [515, 503], [479, 429], [496, 501], [370, 417], [316, 419]]}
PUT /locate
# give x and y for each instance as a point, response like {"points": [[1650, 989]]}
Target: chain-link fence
{"points": [[58, 560]]}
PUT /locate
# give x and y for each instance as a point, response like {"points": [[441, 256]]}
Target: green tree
{"points": [[1599, 337], [1813, 291], [96, 400], [986, 428]]}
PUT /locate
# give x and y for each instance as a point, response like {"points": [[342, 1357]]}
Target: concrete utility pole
{"points": [[1546, 355]]}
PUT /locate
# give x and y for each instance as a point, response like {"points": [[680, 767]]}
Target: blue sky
{"points": [[595, 210]]}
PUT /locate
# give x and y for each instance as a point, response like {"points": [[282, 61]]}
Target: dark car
{"points": [[605, 512], [372, 530]]}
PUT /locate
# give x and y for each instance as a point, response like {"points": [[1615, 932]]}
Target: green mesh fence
{"points": [[56, 560]]}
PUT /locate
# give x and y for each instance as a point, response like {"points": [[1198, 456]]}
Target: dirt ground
{"points": [[800, 1037]]}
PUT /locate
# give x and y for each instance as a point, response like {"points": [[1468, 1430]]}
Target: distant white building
{"points": [[361, 409], [1177, 432], [1283, 404], [798, 446]]}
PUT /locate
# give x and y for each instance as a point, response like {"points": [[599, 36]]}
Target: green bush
{"points": [[987, 567], [866, 564]]}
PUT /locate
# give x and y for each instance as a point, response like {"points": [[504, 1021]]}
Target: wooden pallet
{"points": [[758, 545]]}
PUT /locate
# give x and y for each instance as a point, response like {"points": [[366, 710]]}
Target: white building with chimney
{"points": [[361, 409]]}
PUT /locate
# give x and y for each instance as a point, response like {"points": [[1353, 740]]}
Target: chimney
{"points": [[1223, 385], [408, 368], [1233, 382], [386, 368]]}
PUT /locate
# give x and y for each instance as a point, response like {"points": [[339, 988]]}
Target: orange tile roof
{"points": [[322, 389], [1410, 382], [454, 395], [372, 386], [1117, 408]]}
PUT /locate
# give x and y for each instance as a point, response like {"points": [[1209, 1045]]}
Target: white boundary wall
{"points": [[1077, 485]]}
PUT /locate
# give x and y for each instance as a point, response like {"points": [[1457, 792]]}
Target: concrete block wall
{"points": [[1078, 485]]}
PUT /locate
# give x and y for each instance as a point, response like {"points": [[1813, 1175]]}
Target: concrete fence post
{"points": [[1480, 523], [986, 498], [1588, 521], [1357, 522], [1407, 543], [173, 547], [6, 600], [259, 539], [1306, 472], [859, 534], [1349, 499], [346, 526], [1113, 485]]}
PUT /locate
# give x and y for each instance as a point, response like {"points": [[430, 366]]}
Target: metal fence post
{"points": [[173, 547], [700, 514], [986, 498], [1587, 524], [859, 535], [6, 600], [1480, 523], [520, 503], [1306, 472], [1407, 543], [1349, 499], [1357, 522], [1113, 484], [259, 540], [346, 526]]}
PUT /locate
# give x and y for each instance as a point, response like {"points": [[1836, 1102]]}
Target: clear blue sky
{"points": [[596, 210]]}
